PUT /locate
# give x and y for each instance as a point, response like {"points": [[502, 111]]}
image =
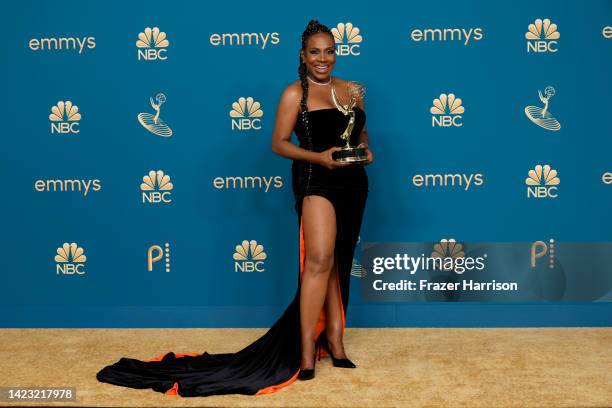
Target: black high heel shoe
{"points": [[338, 362], [309, 373]]}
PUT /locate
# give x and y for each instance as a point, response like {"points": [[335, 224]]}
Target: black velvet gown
{"points": [[272, 361]]}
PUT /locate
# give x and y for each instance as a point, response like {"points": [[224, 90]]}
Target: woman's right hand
{"points": [[325, 159]]}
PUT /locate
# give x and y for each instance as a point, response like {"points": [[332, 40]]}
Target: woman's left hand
{"points": [[369, 153]]}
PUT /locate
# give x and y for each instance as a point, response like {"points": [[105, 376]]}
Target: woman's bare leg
{"points": [[319, 223], [333, 314]]}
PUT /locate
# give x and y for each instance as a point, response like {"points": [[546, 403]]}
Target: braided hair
{"points": [[312, 28]]}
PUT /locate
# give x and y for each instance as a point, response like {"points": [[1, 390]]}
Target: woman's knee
{"points": [[319, 263]]}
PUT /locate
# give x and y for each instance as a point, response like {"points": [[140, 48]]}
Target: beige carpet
{"points": [[524, 367]]}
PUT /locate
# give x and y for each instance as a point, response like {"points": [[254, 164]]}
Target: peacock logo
{"points": [[447, 250], [156, 187], [70, 259], [246, 114], [542, 182], [249, 257], [65, 118], [542, 36], [447, 111], [152, 44], [347, 38]]}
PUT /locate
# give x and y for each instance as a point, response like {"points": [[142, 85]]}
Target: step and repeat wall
{"points": [[140, 188]]}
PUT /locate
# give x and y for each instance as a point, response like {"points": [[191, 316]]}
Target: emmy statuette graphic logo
{"points": [[154, 123], [542, 116]]}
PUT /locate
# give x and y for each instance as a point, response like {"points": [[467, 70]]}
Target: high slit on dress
{"points": [[273, 360]]}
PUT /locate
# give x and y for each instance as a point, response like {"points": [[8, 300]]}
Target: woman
{"points": [[330, 198]]}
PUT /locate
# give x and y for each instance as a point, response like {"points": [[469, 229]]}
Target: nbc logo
{"points": [[542, 116], [70, 259], [152, 45], [155, 253], [246, 114], [446, 111], [542, 182], [541, 36], [347, 39], [156, 187], [447, 250], [539, 249], [65, 118], [154, 123], [249, 257]]}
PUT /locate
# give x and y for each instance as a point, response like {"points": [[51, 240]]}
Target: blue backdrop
{"points": [[407, 56]]}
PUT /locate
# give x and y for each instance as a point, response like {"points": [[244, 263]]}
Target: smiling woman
{"points": [[330, 198]]}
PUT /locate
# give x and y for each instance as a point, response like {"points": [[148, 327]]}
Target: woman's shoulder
{"points": [[293, 91], [294, 87], [291, 96]]}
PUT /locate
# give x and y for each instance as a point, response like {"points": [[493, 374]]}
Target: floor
{"points": [[411, 367]]}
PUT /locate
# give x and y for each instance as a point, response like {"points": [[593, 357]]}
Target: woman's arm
{"points": [[286, 116]]}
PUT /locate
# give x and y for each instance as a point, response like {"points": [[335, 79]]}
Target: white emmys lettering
{"points": [[68, 185], [607, 32], [447, 34], [62, 43], [250, 182], [243, 38], [444, 180], [606, 178]]}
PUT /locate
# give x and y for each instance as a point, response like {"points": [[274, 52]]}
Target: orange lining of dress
{"points": [[320, 327]]}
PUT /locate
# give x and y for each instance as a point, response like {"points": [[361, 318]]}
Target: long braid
{"points": [[313, 27]]}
